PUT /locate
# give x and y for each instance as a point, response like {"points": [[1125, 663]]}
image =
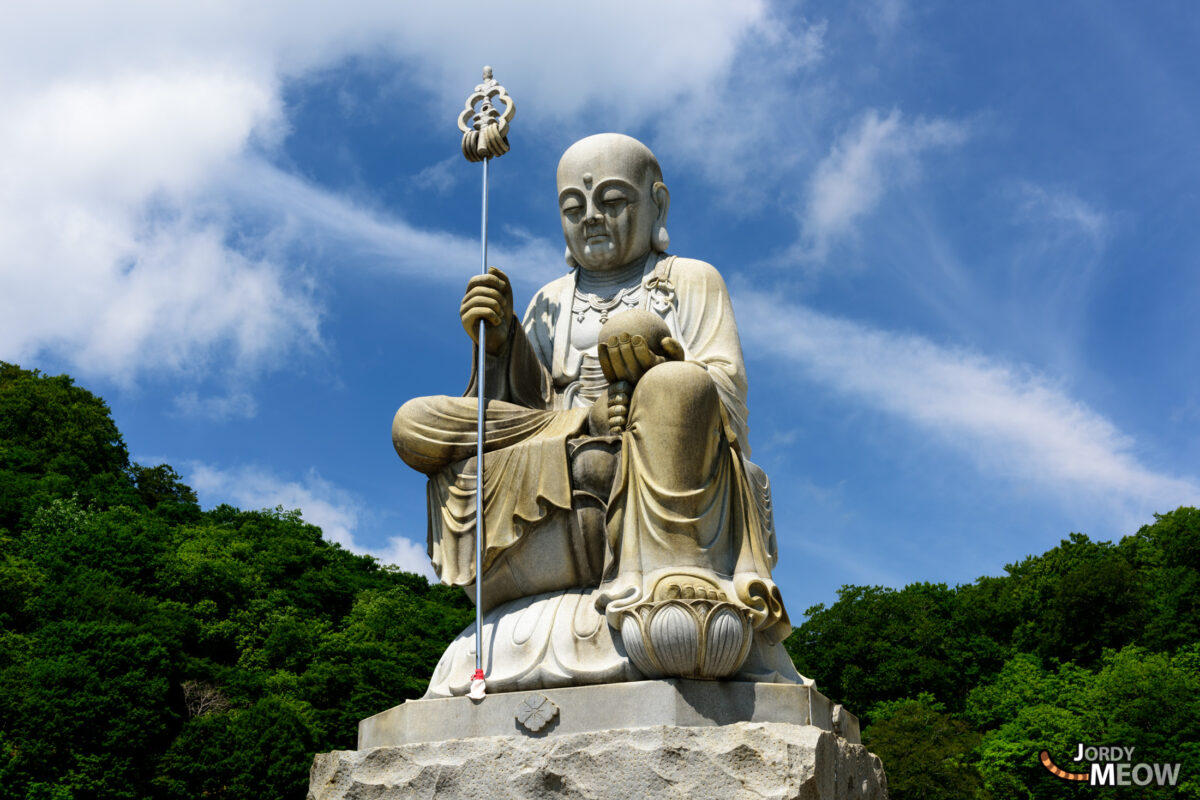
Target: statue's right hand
{"points": [[488, 299]]}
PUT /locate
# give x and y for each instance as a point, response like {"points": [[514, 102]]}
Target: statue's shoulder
{"points": [[548, 296], [687, 271], [556, 286]]}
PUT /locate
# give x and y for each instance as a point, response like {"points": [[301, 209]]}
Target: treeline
{"points": [[149, 649], [960, 688]]}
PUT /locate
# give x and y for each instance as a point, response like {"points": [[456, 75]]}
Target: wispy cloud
{"points": [[1057, 261], [217, 407], [866, 161], [749, 129], [439, 177], [301, 213], [1012, 421], [333, 509], [884, 16], [1062, 213]]}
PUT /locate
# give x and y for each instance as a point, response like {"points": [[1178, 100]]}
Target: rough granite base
{"points": [[670, 738], [728, 762]]}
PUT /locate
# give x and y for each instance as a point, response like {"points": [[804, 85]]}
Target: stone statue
{"points": [[628, 536]]}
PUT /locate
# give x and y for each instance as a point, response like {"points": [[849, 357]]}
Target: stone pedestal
{"points": [[652, 739]]}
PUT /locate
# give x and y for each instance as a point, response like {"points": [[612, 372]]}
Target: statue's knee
{"points": [[677, 389], [408, 437]]}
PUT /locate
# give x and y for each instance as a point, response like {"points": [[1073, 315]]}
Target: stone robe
{"points": [[580, 527]]}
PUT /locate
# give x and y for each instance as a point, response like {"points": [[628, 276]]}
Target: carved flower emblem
{"points": [[535, 711]]}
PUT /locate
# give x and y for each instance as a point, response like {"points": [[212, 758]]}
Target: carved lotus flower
{"points": [[681, 638]]}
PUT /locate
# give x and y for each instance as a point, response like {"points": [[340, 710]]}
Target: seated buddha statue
{"points": [[627, 534]]}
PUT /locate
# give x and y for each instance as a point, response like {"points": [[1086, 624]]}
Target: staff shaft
{"points": [[479, 529]]}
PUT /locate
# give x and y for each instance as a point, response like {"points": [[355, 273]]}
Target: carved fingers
{"points": [[619, 393], [488, 299], [673, 349], [606, 365], [627, 358]]}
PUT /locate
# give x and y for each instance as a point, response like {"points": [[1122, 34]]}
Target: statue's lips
{"points": [[598, 238]]}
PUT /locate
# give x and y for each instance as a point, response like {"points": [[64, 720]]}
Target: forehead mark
{"points": [[587, 180]]}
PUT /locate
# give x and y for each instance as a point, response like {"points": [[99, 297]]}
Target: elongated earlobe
{"points": [[661, 239], [571, 262]]}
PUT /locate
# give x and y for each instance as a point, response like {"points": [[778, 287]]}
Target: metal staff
{"points": [[485, 136]]}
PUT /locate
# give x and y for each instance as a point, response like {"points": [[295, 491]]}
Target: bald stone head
{"points": [[613, 201]]}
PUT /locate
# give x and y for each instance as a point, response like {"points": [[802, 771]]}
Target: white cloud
{"points": [[1014, 422], [105, 257], [125, 132], [866, 161], [407, 555], [334, 510]]}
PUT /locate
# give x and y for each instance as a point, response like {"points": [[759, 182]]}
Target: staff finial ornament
{"points": [[485, 132]]}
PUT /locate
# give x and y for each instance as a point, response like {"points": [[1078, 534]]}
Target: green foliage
{"points": [[876, 644], [261, 751], [55, 440], [149, 649], [1168, 556], [1078, 582], [1089, 642], [927, 753], [162, 490], [1148, 701]]}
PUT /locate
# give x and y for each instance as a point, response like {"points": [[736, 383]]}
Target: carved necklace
{"points": [[585, 301], [590, 302]]}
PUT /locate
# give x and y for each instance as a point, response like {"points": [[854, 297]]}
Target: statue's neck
{"points": [[609, 282]]}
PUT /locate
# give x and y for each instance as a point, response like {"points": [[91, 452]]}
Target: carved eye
{"points": [[614, 201], [572, 209]]}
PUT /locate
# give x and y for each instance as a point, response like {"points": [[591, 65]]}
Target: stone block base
{"points": [[581, 709], [740, 760]]}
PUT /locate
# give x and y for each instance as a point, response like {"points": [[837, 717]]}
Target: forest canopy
{"points": [[153, 649]]}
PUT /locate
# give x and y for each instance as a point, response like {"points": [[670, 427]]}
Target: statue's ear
{"points": [[662, 199], [659, 239]]}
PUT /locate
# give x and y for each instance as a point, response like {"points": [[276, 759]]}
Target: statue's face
{"points": [[606, 197]]}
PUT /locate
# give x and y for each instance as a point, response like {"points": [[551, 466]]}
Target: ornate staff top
{"points": [[485, 132]]}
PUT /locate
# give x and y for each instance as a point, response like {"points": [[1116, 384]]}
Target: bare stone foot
{"points": [[687, 587]]}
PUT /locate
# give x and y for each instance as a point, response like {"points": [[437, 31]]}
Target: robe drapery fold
{"points": [[525, 479]]}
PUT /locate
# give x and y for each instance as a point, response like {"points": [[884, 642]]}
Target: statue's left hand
{"points": [[627, 358], [616, 406]]}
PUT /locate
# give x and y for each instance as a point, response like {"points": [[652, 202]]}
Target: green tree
{"points": [[876, 644], [263, 751], [56, 440], [149, 649], [1138, 699], [1078, 599], [927, 753], [1167, 553]]}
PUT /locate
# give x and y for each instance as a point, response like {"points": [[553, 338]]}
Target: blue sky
{"points": [[963, 243]]}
